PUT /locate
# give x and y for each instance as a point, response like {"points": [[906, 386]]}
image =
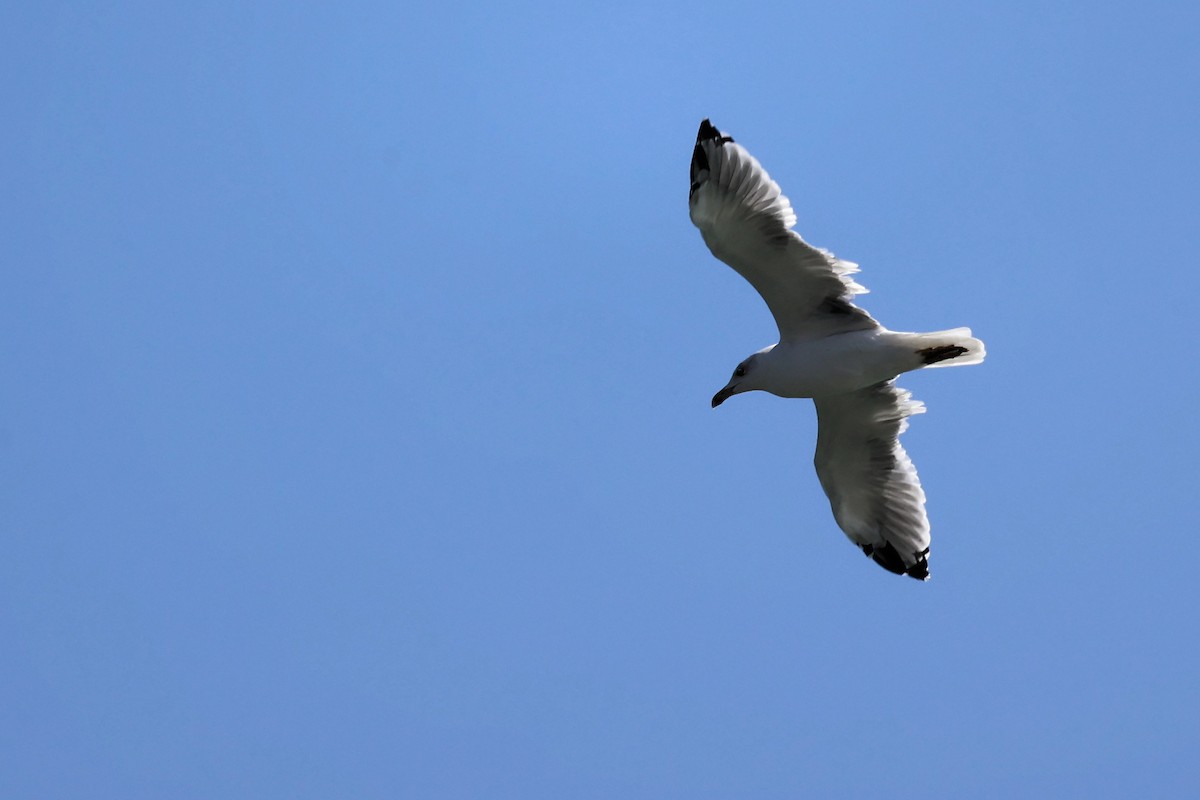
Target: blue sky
{"points": [[356, 437]]}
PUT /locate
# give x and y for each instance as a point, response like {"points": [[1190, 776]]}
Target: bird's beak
{"points": [[723, 395]]}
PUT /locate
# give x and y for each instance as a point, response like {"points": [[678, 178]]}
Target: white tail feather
{"points": [[955, 337]]}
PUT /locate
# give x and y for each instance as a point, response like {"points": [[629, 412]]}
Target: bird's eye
{"points": [[740, 372]]}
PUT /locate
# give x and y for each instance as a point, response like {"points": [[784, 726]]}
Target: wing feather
{"points": [[746, 221], [872, 484]]}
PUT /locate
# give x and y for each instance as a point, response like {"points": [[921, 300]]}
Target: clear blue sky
{"points": [[355, 437]]}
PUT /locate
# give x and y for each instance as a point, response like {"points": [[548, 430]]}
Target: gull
{"points": [[829, 350]]}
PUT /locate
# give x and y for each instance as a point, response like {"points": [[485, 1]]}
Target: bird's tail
{"points": [[952, 348]]}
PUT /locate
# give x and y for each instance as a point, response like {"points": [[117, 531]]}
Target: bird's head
{"points": [[744, 380]]}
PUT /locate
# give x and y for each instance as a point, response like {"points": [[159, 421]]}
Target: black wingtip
{"points": [[920, 570], [700, 166], [708, 131], [889, 559]]}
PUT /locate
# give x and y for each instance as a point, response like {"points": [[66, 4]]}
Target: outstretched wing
{"points": [[746, 221], [871, 483]]}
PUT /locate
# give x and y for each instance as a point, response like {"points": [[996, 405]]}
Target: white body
{"points": [[846, 362], [835, 364]]}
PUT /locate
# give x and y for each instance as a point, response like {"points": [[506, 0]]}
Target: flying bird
{"points": [[829, 350]]}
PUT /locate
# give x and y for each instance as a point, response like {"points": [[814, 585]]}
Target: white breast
{"points": [[835, 364]]}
